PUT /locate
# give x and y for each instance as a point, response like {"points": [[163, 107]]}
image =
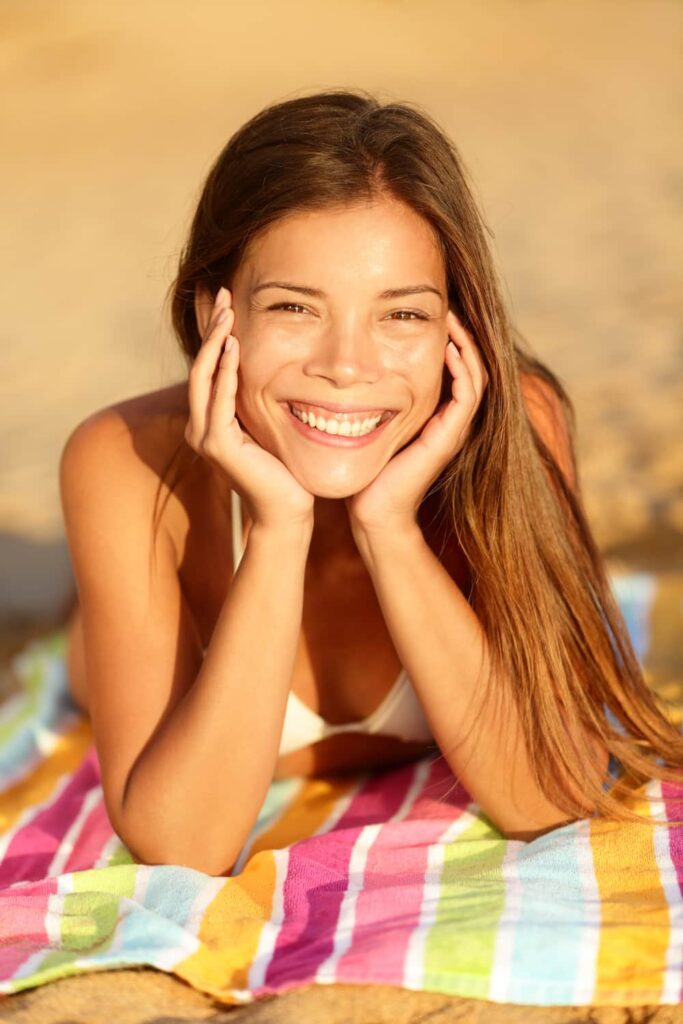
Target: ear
{"points": [[203, 307]]}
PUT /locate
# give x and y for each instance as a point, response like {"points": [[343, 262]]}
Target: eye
{"points": [[411, 313], [285, 305]]}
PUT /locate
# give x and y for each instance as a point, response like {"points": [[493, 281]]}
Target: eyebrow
{"points": [[316, 293]]}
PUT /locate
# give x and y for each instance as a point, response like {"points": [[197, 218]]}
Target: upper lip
{"points": [[337, 407]]}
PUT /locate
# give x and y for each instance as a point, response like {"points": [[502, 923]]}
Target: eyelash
{"points": [[418, 316]]}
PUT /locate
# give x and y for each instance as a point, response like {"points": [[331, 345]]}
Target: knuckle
{"points": [[210, 446]]}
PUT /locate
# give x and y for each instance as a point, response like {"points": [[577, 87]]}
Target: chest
{"points": [[345, 655], [346, 662]]}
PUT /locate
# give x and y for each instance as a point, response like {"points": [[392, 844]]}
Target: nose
{"points": [[345, 355]]}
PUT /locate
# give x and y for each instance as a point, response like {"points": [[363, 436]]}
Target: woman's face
{"points": [[349, 344]]}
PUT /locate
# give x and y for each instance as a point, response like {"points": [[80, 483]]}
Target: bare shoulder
{"points": [[134, 441], [140, 424]]}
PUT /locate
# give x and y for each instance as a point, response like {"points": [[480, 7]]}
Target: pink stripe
{"points": [[394, 878], [23, 912], [675, 810], [317, 879], [96, 832], [32, 849]]}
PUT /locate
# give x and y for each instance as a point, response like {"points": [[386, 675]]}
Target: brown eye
{"points": [[410, 313], [288, 305]]}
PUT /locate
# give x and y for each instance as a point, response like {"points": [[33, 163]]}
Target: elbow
{"points": [[528, 835], [152, 852], [534, 830], [161, 856], [181, 860]]}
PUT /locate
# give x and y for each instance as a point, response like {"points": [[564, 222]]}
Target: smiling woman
{"points": [[415, 569]]}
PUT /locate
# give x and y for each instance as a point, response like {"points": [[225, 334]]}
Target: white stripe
{"points": [[29, 813], [271, 928], [45, 742], [414, 962], [52, 926], [266, 824], [340, 807], [326, 973], [591, 916], [206, 895], [68, 842], [343, 932], [501, 971], [108, 850], [669, 879], [420, 776]]}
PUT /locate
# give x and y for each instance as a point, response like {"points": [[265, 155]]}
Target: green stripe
{"points": [[460, 946]]}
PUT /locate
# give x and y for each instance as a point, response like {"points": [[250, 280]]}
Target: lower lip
{"points": [[335, 440]]}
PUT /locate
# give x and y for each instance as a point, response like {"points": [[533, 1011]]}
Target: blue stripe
{"points": [[551, 928]]}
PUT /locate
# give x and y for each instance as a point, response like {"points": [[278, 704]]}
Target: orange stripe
{"points": [[312, 806], [230, 930], [67, 754]]}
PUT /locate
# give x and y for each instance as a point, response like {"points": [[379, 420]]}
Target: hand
{"points": [[274, 496], [391, 501]]}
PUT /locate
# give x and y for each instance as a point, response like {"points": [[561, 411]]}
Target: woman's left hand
{"points": [[392, 499]]}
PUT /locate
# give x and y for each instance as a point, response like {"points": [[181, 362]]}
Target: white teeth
{"points": [[343, 427]]}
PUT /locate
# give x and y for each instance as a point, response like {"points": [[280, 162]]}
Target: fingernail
{"points": [[451, 345], [221, 294]]}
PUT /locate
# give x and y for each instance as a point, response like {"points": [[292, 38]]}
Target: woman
{"points": [[398, 481]]}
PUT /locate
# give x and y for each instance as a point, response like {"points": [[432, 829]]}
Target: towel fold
{"points": [[388, 877]]}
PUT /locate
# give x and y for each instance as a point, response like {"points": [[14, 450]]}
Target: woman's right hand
{"points": [[274, 497]]}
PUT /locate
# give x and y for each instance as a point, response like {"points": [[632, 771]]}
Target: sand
{"points": [[137, 996]]}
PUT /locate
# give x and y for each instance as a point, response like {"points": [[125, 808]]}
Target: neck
{"points": [[332, 549], [332, 542]]}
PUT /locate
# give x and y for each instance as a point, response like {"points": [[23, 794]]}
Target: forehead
{"points": [[382, 241]]}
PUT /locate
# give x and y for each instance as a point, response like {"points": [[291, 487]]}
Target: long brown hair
{"points": [[558, 644]]}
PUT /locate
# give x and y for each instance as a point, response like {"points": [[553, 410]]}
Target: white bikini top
{"points": [[400, 713]]}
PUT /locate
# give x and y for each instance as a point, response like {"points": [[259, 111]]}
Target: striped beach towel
{"points": [[388, 877]]}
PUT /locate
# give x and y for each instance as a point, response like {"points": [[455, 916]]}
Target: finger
{"points": [[469, 353], [221, 412], [202, 372], [463, 389]]}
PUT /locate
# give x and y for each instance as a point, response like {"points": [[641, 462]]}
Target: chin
{"points": [[333, 492]]}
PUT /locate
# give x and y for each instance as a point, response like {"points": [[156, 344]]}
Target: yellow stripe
{"points": [[67, 754], [632, 956]]}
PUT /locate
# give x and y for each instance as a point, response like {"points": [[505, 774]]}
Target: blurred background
{"points": [[568, 116]]}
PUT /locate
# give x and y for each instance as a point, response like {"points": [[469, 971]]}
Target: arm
{"points": [[434, 628], [186, 748], [194, 794]]}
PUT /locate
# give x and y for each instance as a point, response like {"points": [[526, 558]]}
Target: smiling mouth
{"points": [[338, 424]]}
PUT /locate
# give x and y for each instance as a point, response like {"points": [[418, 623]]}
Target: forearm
{"points": [[442, 645], [195, 793]]}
